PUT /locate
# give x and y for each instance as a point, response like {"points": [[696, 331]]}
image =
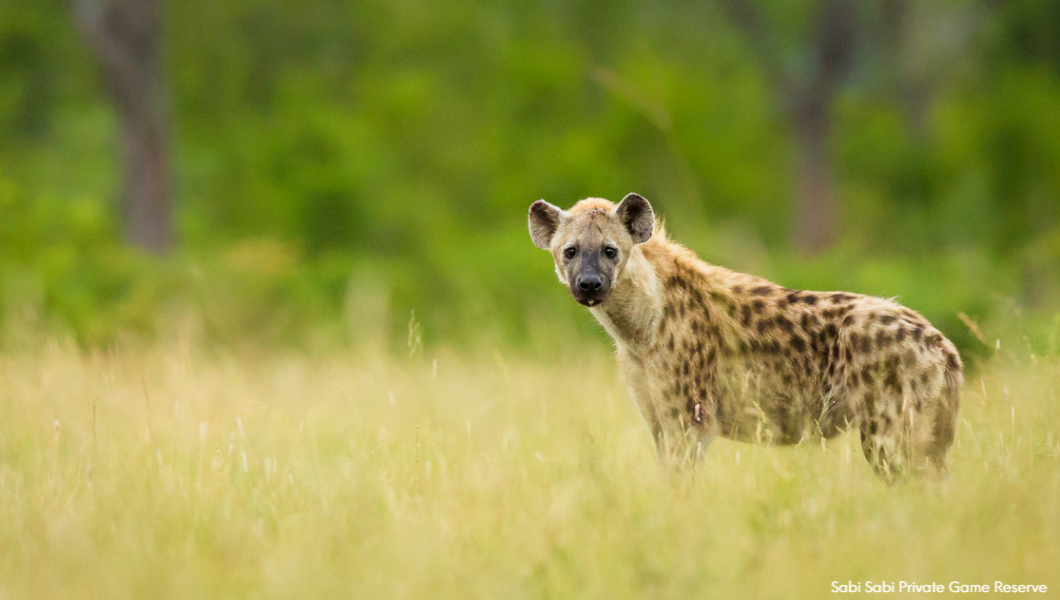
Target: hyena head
{"points": [[591, 242]]}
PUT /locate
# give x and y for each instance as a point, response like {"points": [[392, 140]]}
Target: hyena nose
{"points": [[590, 283]]}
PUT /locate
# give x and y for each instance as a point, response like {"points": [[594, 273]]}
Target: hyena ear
{"points": [[544, 221], [636, 215]]}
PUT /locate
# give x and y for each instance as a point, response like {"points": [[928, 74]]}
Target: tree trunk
{"points": [[807, 98], [126, 37], [905, 69], [813, 221]]}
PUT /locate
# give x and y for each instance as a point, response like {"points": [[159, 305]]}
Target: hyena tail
{"points": [[946, 418]]}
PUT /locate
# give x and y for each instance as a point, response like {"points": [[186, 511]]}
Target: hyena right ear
{"points": [[636, 215], [544, 221]]}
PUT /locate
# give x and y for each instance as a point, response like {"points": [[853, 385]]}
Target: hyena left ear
{"points": [[636, 215], [543, 221]]}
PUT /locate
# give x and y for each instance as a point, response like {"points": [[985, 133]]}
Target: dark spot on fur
{"points": [[891, 380], [839, 298], [745, 315], [900, 334], [882, 339], [810, 299], [849, 320], [762, 290], [848, 355], [933, 340], [758, 306], [865, 344], [918, 331], [798, 344], [793, 297], [784, 323], [924, 378], [909, 357], [887, 319], [831, 331], [870, 401], [866, 374]]}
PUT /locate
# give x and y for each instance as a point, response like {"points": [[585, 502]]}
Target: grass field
{"points": [[177, 472]]}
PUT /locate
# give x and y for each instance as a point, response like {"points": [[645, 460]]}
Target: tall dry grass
{"points": [[179, 472]]}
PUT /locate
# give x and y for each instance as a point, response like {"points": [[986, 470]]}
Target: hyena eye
{"points": [[570, 252], [610, 252]]}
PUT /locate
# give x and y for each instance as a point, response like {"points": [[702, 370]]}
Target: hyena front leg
{"points": [[681, 429], [636, 379], [688, 427]]}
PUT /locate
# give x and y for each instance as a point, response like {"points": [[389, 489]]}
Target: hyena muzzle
{"points": [[707, 351]]}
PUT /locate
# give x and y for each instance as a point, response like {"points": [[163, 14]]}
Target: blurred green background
{"points": [[348, 172]]}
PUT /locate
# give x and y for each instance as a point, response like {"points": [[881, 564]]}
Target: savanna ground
{"points": [[177, 471]]}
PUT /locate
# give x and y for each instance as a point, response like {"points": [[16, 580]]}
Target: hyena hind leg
{"points": [[901, 440]]}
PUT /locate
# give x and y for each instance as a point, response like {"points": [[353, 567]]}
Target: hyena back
{"points": [[706, 351]]}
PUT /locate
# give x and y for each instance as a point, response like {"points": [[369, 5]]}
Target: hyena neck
{"points": [[631, 313]]}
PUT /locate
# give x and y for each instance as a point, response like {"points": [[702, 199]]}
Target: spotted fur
{"points": [[707, 351]]}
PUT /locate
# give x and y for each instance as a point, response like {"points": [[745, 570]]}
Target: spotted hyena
{"points": [[707, 351]]}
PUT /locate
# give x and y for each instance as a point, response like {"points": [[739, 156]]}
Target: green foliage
{"points": [[339, 165]]}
